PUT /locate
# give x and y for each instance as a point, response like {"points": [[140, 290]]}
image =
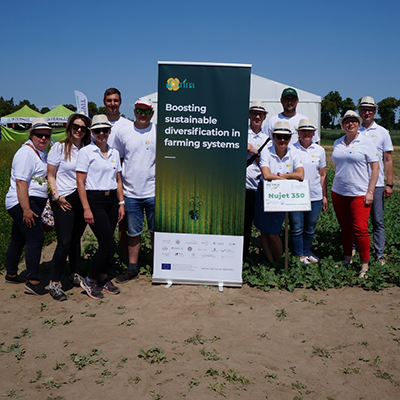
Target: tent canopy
{"points": [[269, 92], [24, 115], [58, 114]]}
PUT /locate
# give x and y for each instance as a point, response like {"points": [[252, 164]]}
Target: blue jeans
{"points": [[302, 228], [134, 209], [377, 221]]}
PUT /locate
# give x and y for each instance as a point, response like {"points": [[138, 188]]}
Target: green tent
{"points": [[58, 114], [24, 115]]}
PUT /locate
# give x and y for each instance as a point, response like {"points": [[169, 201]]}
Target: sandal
{"points": [[363, 273]]}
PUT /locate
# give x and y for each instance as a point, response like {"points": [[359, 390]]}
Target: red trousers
{"points": [[352, 215]]}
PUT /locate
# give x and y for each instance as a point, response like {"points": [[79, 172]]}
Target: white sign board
{"points": [[198, 259], [287, 195]]}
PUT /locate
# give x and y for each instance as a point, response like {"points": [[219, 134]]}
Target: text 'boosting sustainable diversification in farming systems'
{"points": [[201, 130]]}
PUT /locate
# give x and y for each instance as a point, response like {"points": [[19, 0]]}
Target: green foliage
{"points": [[387, 110], [153, 355]]}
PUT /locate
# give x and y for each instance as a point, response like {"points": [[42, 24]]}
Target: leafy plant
{"points": [[153, 355]]}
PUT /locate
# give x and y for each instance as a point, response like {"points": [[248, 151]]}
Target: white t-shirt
{"points": [[288, 164], [66, 172], [293, 121], [383, 142], [116, 126], [137, 147], [253, 171], [27, 166], [101, 172], [313, 159], [352, 165]]}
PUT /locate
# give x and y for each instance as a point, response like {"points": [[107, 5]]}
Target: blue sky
{"points": [[51, 48]]}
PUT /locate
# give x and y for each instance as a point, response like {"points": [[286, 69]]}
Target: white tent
{"points": [[269, 92]]}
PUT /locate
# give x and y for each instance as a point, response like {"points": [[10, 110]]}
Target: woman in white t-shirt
{"points": [[303, 223], [278, 161], [356, 173], [98, 172], [67, 208], [25, 202]]}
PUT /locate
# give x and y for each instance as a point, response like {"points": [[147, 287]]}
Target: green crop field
{"points": [[256, 272]]}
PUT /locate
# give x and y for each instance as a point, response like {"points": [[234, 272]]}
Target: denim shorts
{"points": [[134, 214]]}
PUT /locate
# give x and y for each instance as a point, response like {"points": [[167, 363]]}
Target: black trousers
{"points": [[69, 226], [104, 206], [33, 238]]}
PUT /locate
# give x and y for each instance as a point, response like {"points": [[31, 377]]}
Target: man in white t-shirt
{"points": [[381, 138], [112, 101], [255, 142], [137, 147], [289, 101]]}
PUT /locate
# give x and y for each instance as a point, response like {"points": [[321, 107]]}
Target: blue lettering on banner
{"points": [[165, 266]]}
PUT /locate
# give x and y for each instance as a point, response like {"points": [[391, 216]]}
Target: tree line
{"points": [[333, 106], [8, 107]]}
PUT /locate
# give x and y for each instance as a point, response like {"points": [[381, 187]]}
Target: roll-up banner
{"points": [[200, 172]]}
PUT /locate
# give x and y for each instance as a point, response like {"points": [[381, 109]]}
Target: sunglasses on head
{"points": [[41, 135], [281, 136], [146, 111], [99, 130], [76, 127]]}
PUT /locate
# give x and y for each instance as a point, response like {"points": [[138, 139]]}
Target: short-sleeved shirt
{"points": [[288, 164], [116, 126], [101, 172], [27, 166], [352, 165], [383, 142], [313, 159], [66, 169], [137, 147], [293, 122], [253, 171]]}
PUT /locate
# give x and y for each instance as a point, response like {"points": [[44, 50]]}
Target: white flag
{"points": [[81, 103]]}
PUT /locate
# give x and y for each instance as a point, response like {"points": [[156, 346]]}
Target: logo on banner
{"points": [[174, 84]]}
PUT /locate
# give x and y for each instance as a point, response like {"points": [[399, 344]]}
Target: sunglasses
{"points": [[99, 130], [280, 136], [140, 111], [76, 128], [41, 135]]}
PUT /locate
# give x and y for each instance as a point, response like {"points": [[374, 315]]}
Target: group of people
{"points": [[103, 174], [88, 178], [286, 148]]}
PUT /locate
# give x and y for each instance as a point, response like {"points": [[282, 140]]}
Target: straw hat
{"points": [[40, 123], [258, 106], [367, 101], [350, 114], [306, 124], [100, 121], [282, 127]]}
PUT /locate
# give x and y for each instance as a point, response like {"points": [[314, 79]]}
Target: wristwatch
{"points": [[390, 185]]}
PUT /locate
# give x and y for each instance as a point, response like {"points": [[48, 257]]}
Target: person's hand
{"points": [[388, 191], [63, 203], [251, 149], [325, 204], [88, 217], [121, 212], [369, 198], [28, 218]]}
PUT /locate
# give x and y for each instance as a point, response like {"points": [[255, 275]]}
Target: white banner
{"points": [[81, 103], [287, 195], [198, 259]]}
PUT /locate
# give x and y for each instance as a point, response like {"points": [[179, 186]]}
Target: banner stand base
{"points": [[168, 283]]}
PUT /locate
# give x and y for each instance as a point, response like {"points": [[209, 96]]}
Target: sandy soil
{"points": [[242, 343]]}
